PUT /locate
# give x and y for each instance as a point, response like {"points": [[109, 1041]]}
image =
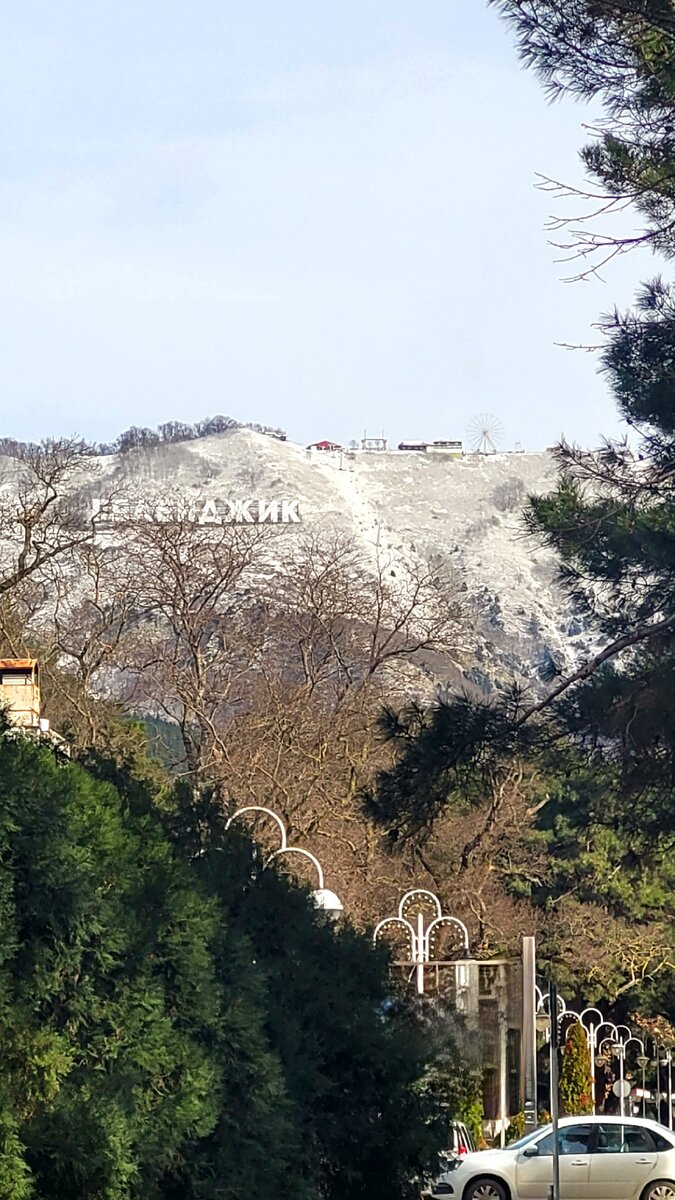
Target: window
{"points": [[526, 1138], [572, 1139], [624, 1139]]}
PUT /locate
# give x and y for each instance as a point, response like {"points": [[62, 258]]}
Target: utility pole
{"points": [[554, 1193], [503, 1046], [528, 1043]]}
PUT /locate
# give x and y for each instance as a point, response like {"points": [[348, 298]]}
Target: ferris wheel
{"points": [[484, 433]]}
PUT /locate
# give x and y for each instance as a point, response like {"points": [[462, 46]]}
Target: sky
{"points": [[307, 214]]}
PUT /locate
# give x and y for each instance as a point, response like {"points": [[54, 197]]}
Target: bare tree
{"points": [[187, 649], [85, 621], [351, 617], [41, 517]]}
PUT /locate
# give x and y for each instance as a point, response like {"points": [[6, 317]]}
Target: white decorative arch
{"points": [[268, 812], [305, 854], [420, 929]]}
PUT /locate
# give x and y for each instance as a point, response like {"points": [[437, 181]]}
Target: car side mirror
{"points": [[530, 1152]]}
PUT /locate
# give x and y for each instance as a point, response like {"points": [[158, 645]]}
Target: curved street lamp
{"points": [[618, 1047], [323, 897], [666, 1060], [595, 1027], [642, 1062], [587, 1019], [421, 934]]}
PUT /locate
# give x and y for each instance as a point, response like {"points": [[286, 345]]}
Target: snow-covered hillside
{"points": [[463, 514]]}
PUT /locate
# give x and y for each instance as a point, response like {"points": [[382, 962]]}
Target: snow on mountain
{"points": [[462, 514]]}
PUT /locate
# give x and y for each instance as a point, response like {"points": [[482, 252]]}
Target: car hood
{"points": [[484, 1159]]}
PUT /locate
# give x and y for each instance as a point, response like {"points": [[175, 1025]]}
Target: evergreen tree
{"points": [[623, 52], [602, 741], [575, 1085], [120, 1047], [351, 1059]]}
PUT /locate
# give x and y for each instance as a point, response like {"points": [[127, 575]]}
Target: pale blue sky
{"points": [[318, 215]]}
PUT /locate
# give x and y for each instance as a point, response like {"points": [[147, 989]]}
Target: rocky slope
{"points": [[459, 514]]}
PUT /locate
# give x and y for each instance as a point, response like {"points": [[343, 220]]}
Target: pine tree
{"points": [[622, 52], [603, 738]]}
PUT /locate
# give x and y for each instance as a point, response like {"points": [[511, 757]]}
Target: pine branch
{"points": [[642, 633]]}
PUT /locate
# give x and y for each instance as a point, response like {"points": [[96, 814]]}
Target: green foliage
{"points": [[350, 1058], [602, 744], [575, 1087], [448, 754], [452, 1082], [517, 1128], [176, 1023], [121, 1046], [456, 1086], [104, 941], [623, 53]]}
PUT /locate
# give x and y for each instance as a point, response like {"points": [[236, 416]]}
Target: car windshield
{"points": [[523, 1141]]}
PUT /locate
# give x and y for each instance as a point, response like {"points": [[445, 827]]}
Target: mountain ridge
{"points": [[462, 515]]}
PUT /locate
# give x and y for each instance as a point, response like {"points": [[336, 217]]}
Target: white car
{"points": [[601, 1158]]}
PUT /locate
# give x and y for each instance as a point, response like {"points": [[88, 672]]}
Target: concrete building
{"points": [[20, 691]]}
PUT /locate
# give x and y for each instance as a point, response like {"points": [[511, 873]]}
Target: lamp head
{"points": [[328, 902]]}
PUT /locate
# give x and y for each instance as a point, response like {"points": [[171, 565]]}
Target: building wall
{"points": [[20, 695]]}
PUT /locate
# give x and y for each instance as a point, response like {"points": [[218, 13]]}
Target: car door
{"points": [[534, 1165], [623, 1159], [465, 1144]]}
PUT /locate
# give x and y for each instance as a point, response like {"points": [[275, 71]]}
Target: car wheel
{"points": [[492, 1189], [663, 1189]]}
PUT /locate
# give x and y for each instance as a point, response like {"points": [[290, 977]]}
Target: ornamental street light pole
{"points": [[619, 1050], [323, 897], [420, 931], [587, 1019], [553, 1002], [641, 1061], [595, 1025], [591, 1021], [667, 1061], [656, 1062], [618, 1046]]}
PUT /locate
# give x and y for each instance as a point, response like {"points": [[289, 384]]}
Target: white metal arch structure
{"points": [[544, 1003], [268, 812], [305, 854], [324, 898], [599, 1032], [419, 934], [591, 1020], [452, 922], [420, 892]]}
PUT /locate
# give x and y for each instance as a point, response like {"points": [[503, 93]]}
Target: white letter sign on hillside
{"points": [[168, 508], [208, 515]]}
